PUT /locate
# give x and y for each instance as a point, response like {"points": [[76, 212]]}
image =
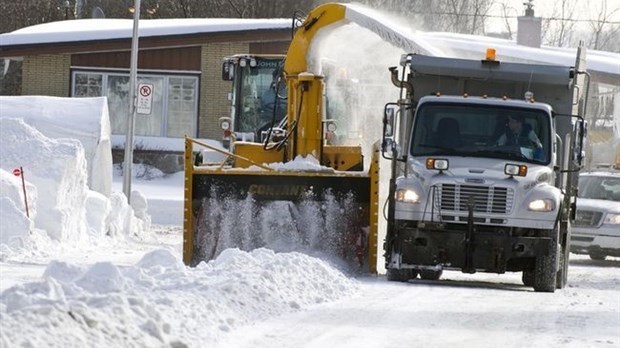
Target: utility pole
{"points": [[131, 120]]}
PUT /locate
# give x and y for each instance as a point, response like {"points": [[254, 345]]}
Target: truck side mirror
{"points": [[388, 122], [387, 142], [227, 71]]}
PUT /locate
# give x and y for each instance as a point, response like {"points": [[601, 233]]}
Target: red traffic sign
{"points": [[17, 172]]}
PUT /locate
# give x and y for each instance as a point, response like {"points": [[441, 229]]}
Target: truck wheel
{"points": [[429, 274], [597, 256], [545, 273], [546, 269], [401, 275], [528, 278]]}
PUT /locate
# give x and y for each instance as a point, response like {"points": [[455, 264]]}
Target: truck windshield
{"points": [[256, 92], [482, 131]]}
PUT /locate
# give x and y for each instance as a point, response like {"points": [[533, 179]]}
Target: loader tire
{"points": [[401, 275], [429, 274], [597, 256]]}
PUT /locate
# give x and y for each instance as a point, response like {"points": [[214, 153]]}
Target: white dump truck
{"points": [[485, 159]]}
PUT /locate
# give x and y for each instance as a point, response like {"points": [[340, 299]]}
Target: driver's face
{"points": [[514, 125]]}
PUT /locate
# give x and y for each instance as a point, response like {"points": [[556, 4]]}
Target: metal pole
{"points": [[24, 188], [132, 104]]}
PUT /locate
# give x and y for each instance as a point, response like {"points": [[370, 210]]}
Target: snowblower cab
{"points": [[292, 191], [257, 98]]}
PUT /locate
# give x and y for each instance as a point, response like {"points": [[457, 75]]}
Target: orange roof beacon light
{"points": [[490, 54]]}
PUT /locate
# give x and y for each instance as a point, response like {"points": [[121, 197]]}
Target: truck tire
{"points": [[429, 274], [597, 256], [401, 275], [546, 266]]}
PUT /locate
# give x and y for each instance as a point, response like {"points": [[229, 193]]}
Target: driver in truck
{"points": [[521, 134]]}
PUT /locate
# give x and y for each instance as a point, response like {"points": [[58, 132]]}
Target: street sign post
{"points": [[131, 119]]}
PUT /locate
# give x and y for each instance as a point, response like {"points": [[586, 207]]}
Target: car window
{"points": [[600, 187]]}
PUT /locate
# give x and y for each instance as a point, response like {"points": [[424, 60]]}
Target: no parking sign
{"points": [[145, 98]]}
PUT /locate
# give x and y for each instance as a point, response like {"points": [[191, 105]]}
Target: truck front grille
{"points": [[587, 218], [454, 197]]}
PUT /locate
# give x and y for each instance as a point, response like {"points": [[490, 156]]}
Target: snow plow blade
{"points": [[328, 214]]}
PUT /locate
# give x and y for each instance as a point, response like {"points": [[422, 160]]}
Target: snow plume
{"points": [[159, 300], [60, 205], [355, 64], [323, 224]]}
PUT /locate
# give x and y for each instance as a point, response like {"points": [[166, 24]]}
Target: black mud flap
{"points": [[319, 214]]}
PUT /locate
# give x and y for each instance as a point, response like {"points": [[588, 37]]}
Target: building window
{"points": [[174, 110], [87, 85], [181, 105]]}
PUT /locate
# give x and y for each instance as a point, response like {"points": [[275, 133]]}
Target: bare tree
{"points": [[559, 28], [604, 34], [508, 12]]}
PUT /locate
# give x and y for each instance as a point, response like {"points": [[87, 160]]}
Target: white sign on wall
{"points": [[145, 98]]}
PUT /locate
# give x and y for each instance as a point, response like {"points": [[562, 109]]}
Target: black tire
{"points": [[545, 274], [401, 275], [597, 256], [528, 278], [429, 274], [546, 267]]}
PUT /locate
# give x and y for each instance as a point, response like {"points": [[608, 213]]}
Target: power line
{"points": [[514, 17]]}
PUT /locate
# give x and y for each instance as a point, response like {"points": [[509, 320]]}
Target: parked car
{"points": [[596, 229]]}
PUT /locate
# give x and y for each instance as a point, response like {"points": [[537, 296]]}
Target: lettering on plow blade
{"points": [[328, 222], [292, 191]]}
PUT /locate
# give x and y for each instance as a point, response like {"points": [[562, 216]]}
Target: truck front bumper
{"points": [[454, 246]]}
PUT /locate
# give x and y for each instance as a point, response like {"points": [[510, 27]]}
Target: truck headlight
{"points": [[407, 196], [612, 219], [541, 205]]}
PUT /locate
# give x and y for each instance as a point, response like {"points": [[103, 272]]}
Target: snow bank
{"points": [[84, 119], [57, 168], [16, 226], [11, 188], [158, 301], [61, 206]]}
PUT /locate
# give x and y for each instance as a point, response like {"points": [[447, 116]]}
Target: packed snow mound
{"points": [[84, 119], [60, 205], [152, 304], [57, 168], [12, 188], [15, 224]]}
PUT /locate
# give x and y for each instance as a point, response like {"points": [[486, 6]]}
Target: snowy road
{"points": [[480, 310], [466, 310]]}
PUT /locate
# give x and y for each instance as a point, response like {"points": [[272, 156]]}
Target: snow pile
{"points": [[160, 302], [84, 119], [60, 204], [58, 170], [307, 163]]}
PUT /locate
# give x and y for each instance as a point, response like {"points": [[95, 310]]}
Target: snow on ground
{"points": [[161, 302]]}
